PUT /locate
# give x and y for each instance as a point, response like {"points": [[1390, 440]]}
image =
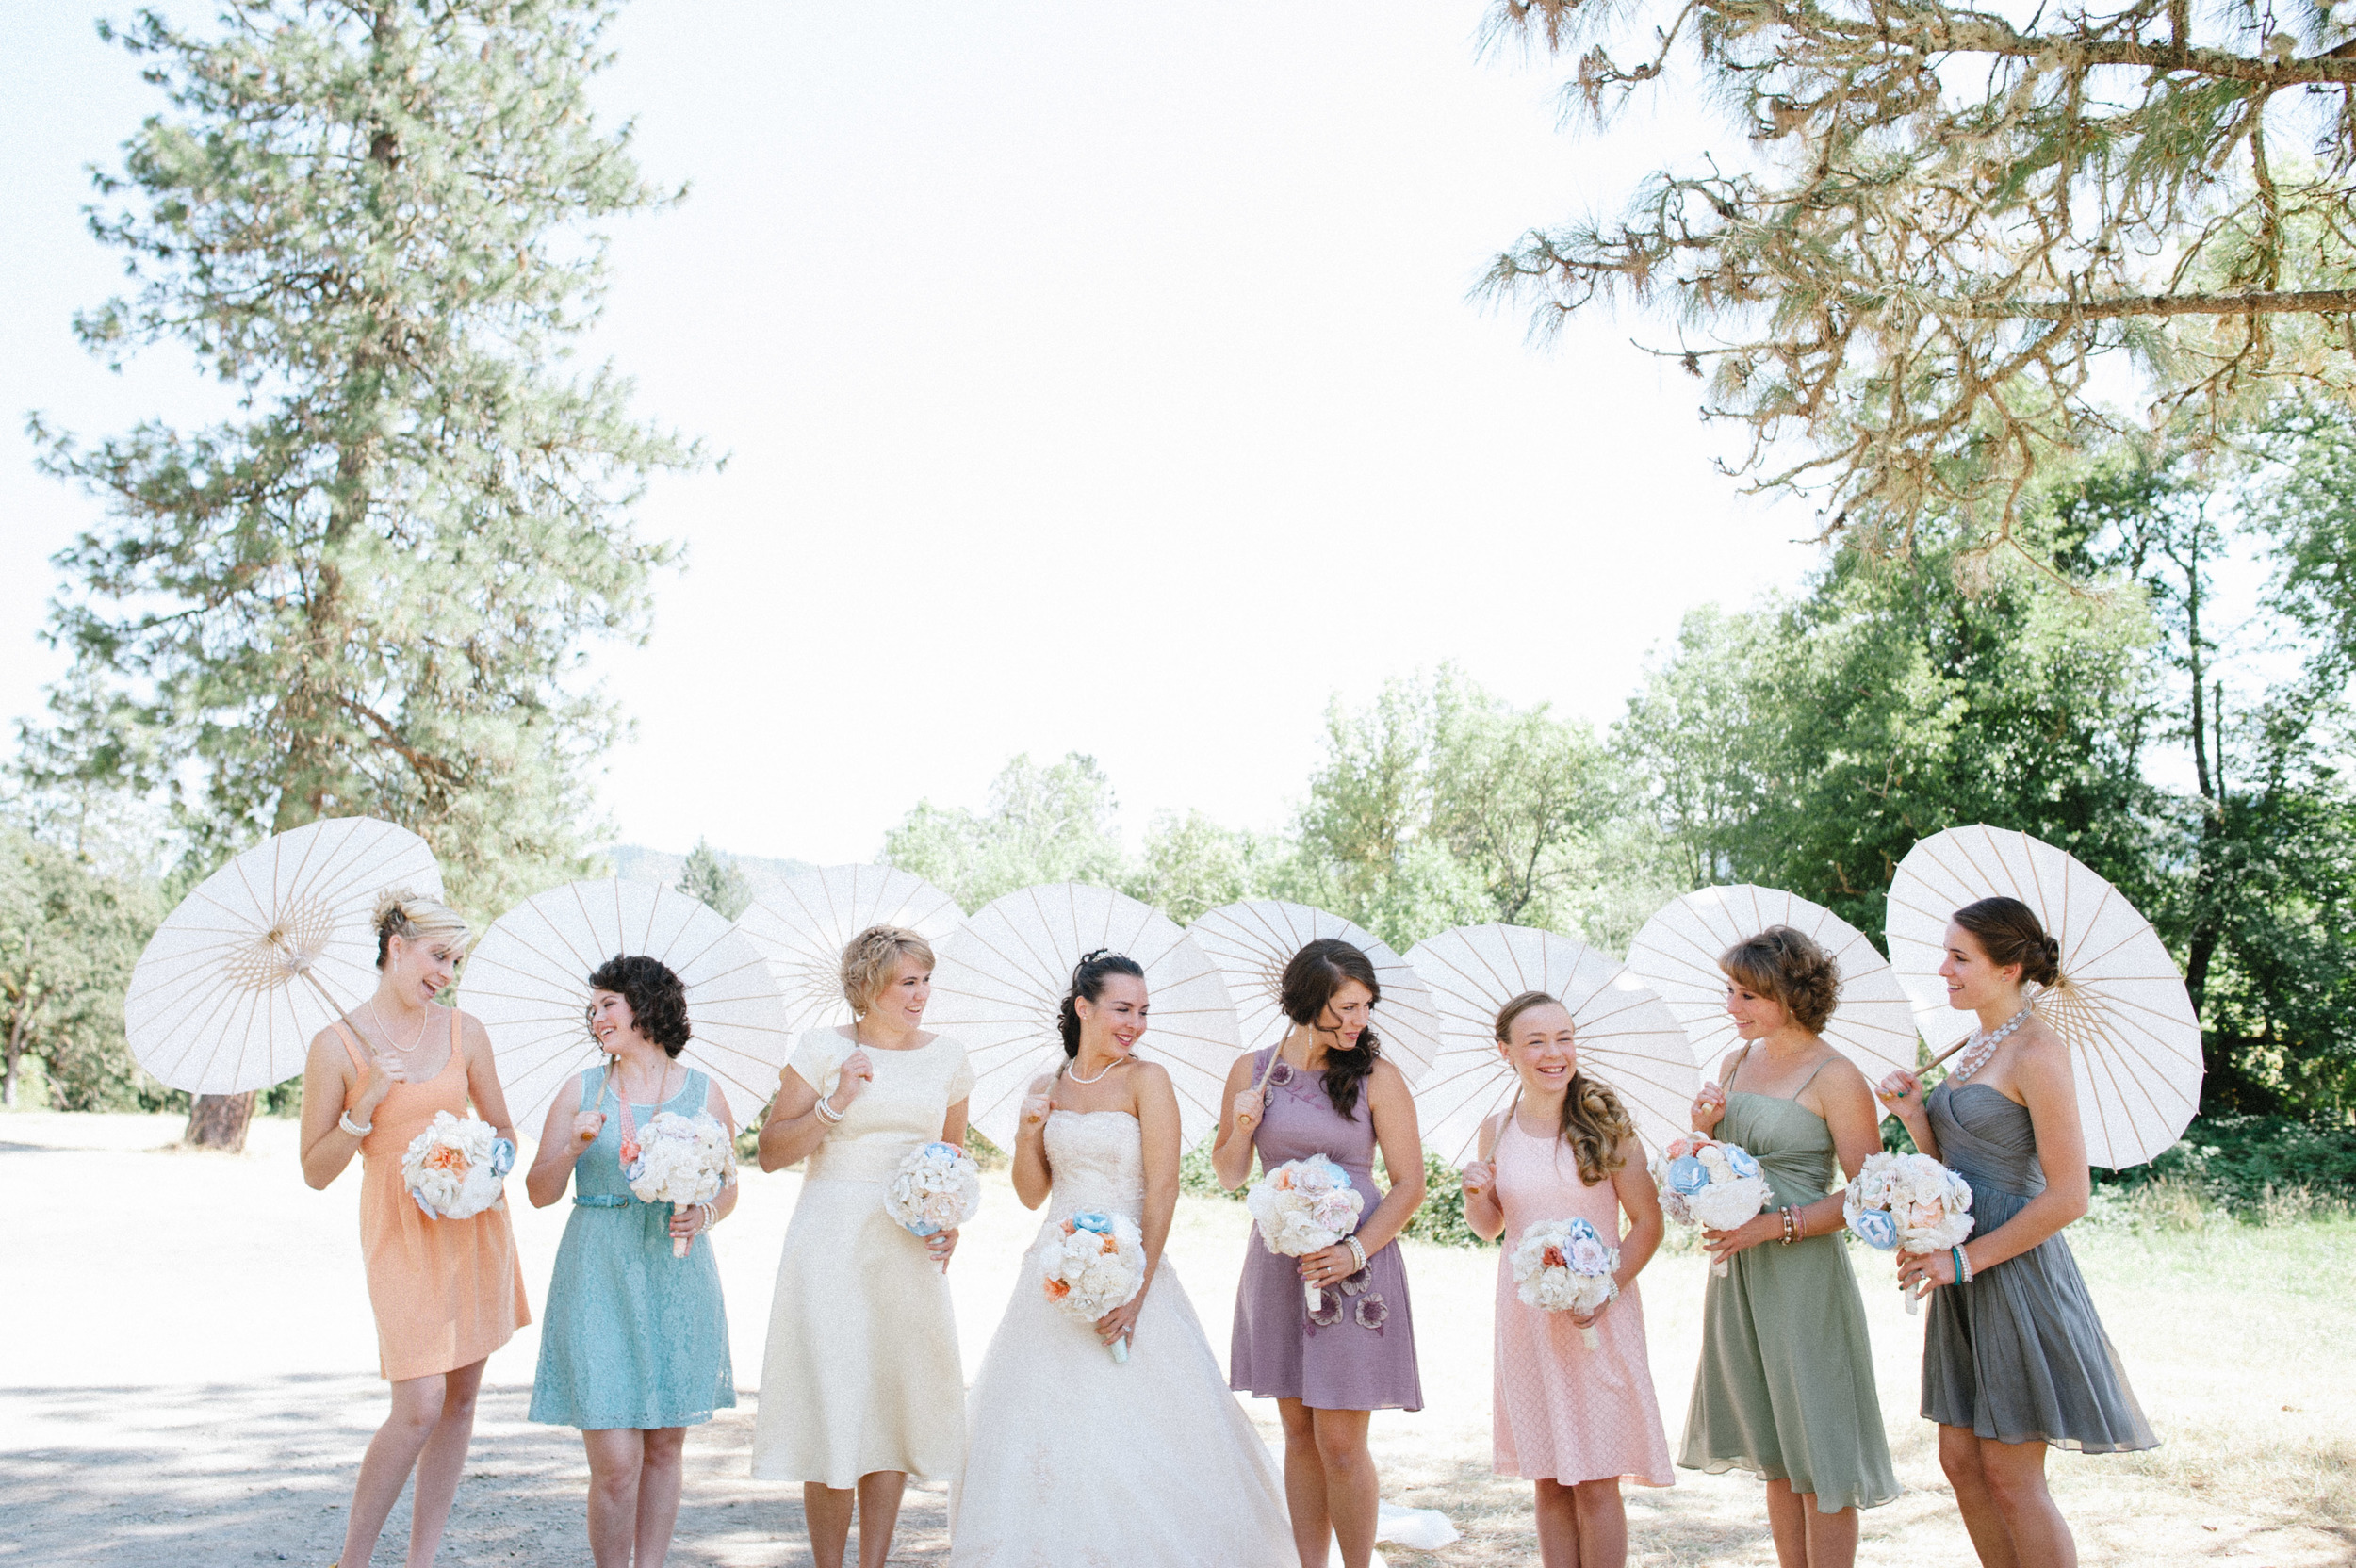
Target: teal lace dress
{"points": [[632, 1337]]}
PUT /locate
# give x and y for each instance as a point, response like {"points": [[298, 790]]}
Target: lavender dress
{"points": [[1358, 1351]]}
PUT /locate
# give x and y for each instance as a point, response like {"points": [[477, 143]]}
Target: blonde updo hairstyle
{"points": [[1595, 1124], [1788, 966], [413, 916], [871, 960]]}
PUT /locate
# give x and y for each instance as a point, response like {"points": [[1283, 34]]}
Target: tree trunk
{"points": [[219, 1121], [7, 1082]]}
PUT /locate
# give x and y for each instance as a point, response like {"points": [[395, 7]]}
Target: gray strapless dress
{"points": [[2018, 1354]]}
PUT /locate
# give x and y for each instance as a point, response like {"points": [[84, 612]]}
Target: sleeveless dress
{"points": [[633, 1336], [1785, 1384], [1565, 1412], [1358, 1351], [1074, 1459], [446, 1292], [861, 1372], [2018, 1354]]}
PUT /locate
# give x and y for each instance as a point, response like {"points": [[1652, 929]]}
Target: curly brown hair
{"points": [[1788, 966], [1595, 1124], [657, 997]]}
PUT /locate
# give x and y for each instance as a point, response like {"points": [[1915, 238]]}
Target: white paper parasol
{"points": [[267, 952], [1627, 1038], [1252, 941], [528, 983], [1677, 954], [1001, 978], [801, 927], [2121, 1003]]}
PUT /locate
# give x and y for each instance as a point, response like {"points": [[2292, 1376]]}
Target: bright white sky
{"points": [[1092, 378]]}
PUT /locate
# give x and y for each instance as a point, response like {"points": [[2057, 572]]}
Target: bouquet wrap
{"points": [[1714, 1185], [1908, 1203], [1304, 1206], [680, 1160], [1095, 1263], [1566, 1266], [455, 1168]]}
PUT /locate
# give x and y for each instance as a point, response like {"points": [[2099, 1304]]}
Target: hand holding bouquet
{"points": [[1908, 1203], [455, 1168], [938, 1187], [1706, 1182], [1095, 1264], [1304, 1206], [1566, 1266], [681, 1160]]}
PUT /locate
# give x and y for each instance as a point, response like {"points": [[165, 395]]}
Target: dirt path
{"points": [[186, 1376]]}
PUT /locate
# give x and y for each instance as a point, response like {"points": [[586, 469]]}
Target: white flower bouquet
{"points": [[1714, 1184], [1304, 1206], [455, 1168], [1908, 1203], [937, 1187], [1566, 1266], [1094, 1264], [681, 1160]]}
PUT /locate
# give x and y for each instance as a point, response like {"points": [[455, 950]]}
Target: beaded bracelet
{"points": [[1358, 1254], [356, 1129], [827, 1112], [1963, 1267]]}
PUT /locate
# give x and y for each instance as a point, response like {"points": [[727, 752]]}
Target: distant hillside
{"points": [[641, 864]]}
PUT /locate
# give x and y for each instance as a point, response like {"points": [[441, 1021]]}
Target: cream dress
{"points": [[862, 1373]]}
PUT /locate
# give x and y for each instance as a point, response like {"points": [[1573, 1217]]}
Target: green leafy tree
{"points": [[1940, 222], [68, 936], [1042, 824], [1192, 864], [715, 879]]}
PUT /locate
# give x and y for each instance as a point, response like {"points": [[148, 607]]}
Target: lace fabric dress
{"points": [[1563, 1411], [1785, 1384], [1076, 1460], [2019, 1354], [861, 1372], [633, 1336]]}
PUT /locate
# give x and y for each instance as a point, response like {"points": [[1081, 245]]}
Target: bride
{"points": [[1073, 1458]]}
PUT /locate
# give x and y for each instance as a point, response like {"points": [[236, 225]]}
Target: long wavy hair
{"points": [[1595, 1124], [1316, 973]]}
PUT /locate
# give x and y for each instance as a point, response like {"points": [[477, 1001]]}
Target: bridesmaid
{"points": [[2014, 1359], [1786, 1385], [635, 1347], [445, 1292], [862, 1386], [1325, 1088], [1574, 1421]]}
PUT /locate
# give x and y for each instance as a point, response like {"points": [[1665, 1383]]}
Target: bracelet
{"points": [[827, 1112], [707, 1213], [1793, 1230], [1963, 1266], [1357, 1252], [357, 1130]]}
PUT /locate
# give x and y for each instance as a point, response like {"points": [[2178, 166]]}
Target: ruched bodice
{"points": [[1792, 1143], [1097, 1159], [1986, 1138]]}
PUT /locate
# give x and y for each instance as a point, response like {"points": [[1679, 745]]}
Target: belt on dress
{"points": [[602, 1199]]}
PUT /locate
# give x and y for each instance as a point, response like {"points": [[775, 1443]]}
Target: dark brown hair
{"points": [[2009, 932], [1087, 982], [1316, 973], [1595, 1124], [1788, 966], [658, 1002]]}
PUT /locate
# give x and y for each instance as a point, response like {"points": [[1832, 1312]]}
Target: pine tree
{"points": [[366, 592], [714, 880]]}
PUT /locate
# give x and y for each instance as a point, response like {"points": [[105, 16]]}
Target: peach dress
{"points": [[446, 1292], [1565, 1412]]}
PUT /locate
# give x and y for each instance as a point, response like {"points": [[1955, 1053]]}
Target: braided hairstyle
{"points": [[2009, 932], [1316, 973], [1088, 983], [1595, 1124]]}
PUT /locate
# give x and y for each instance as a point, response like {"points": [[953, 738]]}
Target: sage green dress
{"points": [[1785, 1384]]}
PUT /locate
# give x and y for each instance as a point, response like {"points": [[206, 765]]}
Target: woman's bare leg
{"points": [[442, 1464], [659, 1476], [1558, 1526], [616, 1468], [1959, 1457], [878, 1514], [2015, 1475], [385, 1468], [1351, 1496], [1304, 1483], [1602, 1524], [1831, 1537], [826, 1514]]}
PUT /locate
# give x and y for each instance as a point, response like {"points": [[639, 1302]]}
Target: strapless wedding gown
{"points": [[1073, 1460]]}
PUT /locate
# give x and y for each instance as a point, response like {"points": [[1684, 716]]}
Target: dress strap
{"points": [[351, 1045], [1740, 1057], [592, 1088], [1811, 1077]]}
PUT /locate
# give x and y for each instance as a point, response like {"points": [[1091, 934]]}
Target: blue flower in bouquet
{"points": [[1875, 1229], [1583, 1231], [1738, 1160], [1688, 1175], [502, 1156], [1091, 1219]]}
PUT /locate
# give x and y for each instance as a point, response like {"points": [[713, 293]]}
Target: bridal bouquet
{"points": [[938, 1187], [1094, 1264], [1713, 1185], [1565, 1266], [1908, 1203], [681, 1160], [1304, 1206], [455, 1168]]}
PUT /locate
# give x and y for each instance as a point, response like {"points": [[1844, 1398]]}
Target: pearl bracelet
{"points": [[356, 1129], [1963, 1267], [827, 1112], [1358, 1252]]}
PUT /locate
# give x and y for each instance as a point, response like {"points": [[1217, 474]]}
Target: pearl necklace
{"points": [[1983, 1046], [1075, 1077]]}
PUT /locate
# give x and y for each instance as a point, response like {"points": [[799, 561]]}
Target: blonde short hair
{"points": [[410, 916], [870, 958]]}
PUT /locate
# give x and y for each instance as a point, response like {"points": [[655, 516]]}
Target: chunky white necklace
{"points": [[1984, 1044], [1075, 1077]]}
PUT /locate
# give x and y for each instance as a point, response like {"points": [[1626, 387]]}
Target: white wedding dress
{"points": [[1073, 1460]]}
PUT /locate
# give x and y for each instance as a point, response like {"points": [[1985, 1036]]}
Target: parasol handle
{"points": [[1274, 1057]]}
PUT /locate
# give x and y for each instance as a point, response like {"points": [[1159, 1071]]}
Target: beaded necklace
{"points": [[1983, 1046]]}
